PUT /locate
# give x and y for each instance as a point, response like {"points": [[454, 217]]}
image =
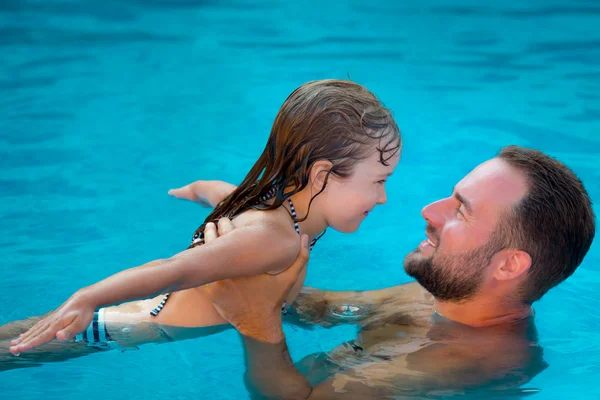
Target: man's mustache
{"points": [[431, 232]]}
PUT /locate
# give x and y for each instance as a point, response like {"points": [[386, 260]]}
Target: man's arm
{"points": [[330, 308], [270, 374]]}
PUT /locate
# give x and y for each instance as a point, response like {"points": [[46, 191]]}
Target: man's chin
{"points": [[417, 254], [415, 261]]}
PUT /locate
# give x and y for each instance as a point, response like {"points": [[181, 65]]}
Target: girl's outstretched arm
{"points": [[239, 253]]}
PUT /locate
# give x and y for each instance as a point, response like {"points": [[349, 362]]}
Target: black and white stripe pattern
{"points": [[155, 312], [96, 333], [296, 226], [270, 194]]}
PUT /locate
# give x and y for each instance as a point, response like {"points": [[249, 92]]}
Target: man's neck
{"points": [[483, 311]]}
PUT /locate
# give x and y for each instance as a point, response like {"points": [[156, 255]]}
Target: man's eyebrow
{"points": [[464, 201]]}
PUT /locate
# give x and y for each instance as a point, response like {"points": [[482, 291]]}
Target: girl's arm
{"points": [[240, 253], [207, 193], [237, 254]]}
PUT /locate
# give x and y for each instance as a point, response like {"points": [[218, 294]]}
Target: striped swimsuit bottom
{"points": [[96, 334]]}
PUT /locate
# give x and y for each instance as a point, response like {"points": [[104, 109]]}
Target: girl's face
{"points": [[347, 201]]}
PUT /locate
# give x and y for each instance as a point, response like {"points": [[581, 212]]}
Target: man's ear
{"points": [[318, 174], [513, 264]]}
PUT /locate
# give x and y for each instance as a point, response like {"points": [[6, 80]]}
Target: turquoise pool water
{"points": [[107, 105]]}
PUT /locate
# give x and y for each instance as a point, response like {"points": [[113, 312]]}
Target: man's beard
{"points": [[455, 277]]}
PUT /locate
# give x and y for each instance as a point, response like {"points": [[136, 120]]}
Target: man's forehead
{"points": [[493, 182]]}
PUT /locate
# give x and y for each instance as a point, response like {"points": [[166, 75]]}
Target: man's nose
{"points": [[433, 213]]}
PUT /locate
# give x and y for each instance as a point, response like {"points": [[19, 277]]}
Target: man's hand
{"points": [[253, 304]]}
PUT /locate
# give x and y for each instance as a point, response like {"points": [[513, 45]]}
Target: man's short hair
{"points": [[554, 222]]}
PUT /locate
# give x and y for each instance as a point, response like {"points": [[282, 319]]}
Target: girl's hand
{"points": [[188, 192], [206, 193], [73, 317]]}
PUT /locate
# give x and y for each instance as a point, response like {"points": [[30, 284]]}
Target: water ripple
{"points": [[48, 115], [549, 104], [53, 61], [553, 140], [476, 39], [37, 158], [553, 11], [583, 75], [493, 64], [451, 88], [54, 37], [493, 77], [463, 11], [22, 136], [333, 40], [568, 46], [588, 96], [27, 83], [344, 56], [589, 59], [100, 11], [187, 4], [585, 116]]}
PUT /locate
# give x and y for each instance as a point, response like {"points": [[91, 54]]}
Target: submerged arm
{"points": [[271, 374], [331, 308]]}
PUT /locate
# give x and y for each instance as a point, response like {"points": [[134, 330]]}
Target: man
{"points": [[515, 227]]}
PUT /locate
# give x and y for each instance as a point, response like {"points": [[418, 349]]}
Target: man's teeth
{"points": [[430, 243]]}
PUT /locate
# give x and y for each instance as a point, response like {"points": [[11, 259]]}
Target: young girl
{"points": [[330, 151]]}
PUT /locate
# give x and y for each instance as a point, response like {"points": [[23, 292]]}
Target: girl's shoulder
{"points": [[273, 230], [276, 221]]}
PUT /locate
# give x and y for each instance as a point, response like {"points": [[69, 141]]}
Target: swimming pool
{"points": [[106, 106]]}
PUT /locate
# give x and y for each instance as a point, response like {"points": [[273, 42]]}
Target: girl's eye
{"points": [[381, 182]]}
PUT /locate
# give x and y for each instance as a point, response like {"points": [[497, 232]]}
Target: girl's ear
{"points": [[318, 173]]}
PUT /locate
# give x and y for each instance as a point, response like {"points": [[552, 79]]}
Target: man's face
{"points": [[452, 263]]}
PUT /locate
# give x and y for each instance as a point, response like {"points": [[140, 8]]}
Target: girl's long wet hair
{"points": [[335, 120]]}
